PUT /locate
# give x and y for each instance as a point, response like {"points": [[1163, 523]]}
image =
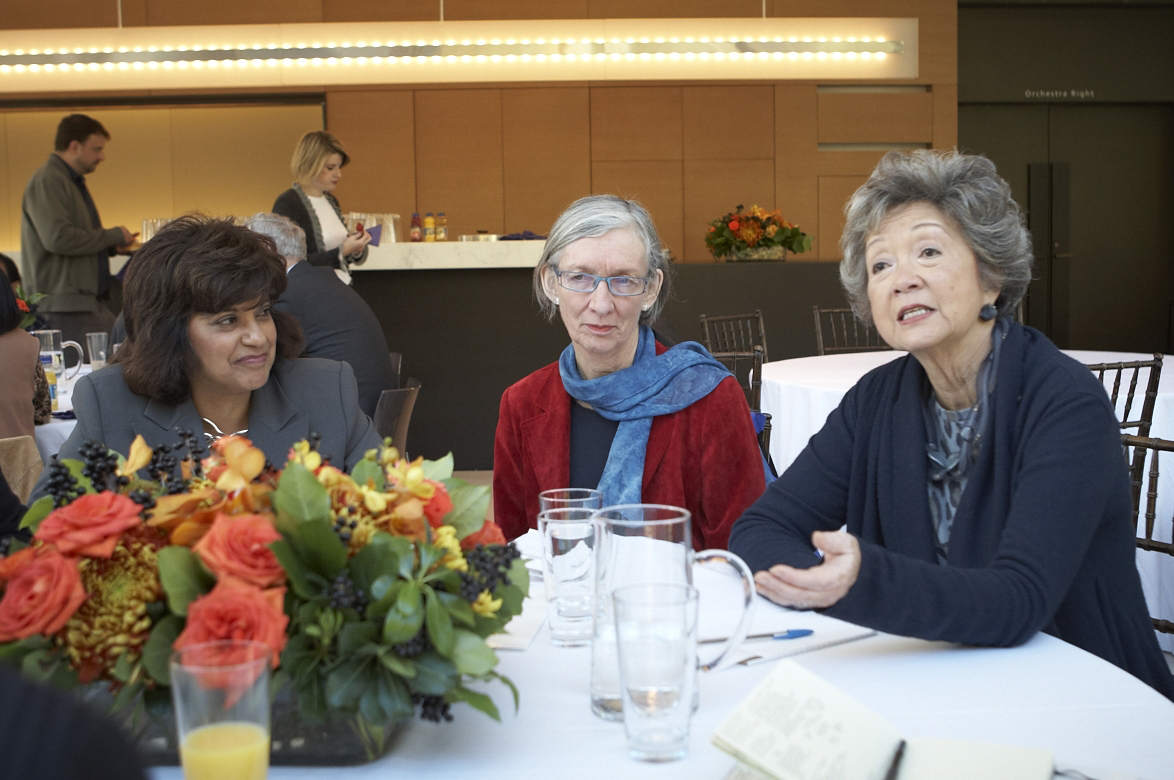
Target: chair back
{"points": [[747, 369], [1135, 418], [838, 330], [1142, 449], [762, 430], [393, 414], [734, 333], [21, 464]]}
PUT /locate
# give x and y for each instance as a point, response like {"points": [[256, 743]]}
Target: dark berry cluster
{"points": [[142, 498], [344, 595], [414, 646], [488, 567], [195, 448], [61, 484], [345, 524], [5, 546], [433, 708], [99, 465]]}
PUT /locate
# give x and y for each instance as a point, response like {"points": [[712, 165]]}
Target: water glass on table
{"points": [[568, 539], [566, 498], [220, 692], [96, 343], [656, 634]]}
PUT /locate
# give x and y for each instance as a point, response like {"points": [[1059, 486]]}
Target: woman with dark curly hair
{"points": [[206, 352], [980, 477]]}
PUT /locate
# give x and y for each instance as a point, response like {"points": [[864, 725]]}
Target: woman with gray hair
{"points": [[980, 477], [618, 411]]}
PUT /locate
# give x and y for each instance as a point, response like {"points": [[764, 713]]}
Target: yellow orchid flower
{"points": [[138, 457], [445, 538], [486, 605]]}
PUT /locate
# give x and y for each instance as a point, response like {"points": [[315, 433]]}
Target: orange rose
{"points": [[237, 610], [44, 590], [238, 546], [438, 506], [734, 225], [490, 533], [91, 525]]}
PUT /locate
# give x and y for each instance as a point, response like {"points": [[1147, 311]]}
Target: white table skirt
{"points": [[799, 394], [1045, 694]]}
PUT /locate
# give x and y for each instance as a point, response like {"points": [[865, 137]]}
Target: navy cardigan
{"points": [[1042, 539]]}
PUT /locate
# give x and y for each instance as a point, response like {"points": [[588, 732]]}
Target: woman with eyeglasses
{"points": [[618, 411]]}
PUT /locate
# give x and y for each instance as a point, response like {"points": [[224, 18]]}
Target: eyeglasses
{"points": [[578, 281]]}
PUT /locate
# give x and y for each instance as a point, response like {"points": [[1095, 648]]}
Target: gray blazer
{"points": [[303, 396]]}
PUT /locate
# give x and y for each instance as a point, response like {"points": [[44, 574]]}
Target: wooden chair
{"points": [[21, 463], [393, 414], [762, 429], [1139, 425], [747, 369], [1142, 446], [838, 330], [734, 333]]}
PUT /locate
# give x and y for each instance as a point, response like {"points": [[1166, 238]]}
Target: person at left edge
{"points": [[206, 351], [65, 251], [618, 411]]}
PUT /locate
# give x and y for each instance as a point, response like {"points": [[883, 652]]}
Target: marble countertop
{"points": [[445, 255]]}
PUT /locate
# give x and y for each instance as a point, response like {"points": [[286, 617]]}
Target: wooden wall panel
{"points": [[683, 9], [233, 160], [515, 9], [9, 213], [636, 123], [50, 14], [849, 163], [945, 116], [655, 183], [796, 159], [378, 128], [546, 135], [834, 192], [713, 188], [185, 12], [380, 10], [728, 122], [875, 117], [459, 158]]}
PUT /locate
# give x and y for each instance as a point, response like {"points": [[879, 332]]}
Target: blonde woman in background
{"points": [[317, 167]]}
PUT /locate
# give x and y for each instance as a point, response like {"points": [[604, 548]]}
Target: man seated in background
{"points": [[337, 323]]}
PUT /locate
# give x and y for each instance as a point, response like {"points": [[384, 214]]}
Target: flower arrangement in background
{"points": [[756, 229], [375, 589], [28, 307]]}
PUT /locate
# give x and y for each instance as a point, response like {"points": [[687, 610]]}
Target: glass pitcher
{"points": [[637, 544], [53, 352]]}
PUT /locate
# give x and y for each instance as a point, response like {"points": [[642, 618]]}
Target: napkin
{"points": [[520, 631]]}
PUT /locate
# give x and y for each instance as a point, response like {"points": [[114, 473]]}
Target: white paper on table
{"points": [[520, 631], [529, 545]]}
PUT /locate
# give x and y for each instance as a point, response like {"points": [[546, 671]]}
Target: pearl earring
{"points": [[556, 300], [647, 306]]}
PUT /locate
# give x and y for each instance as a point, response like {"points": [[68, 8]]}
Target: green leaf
{"points": [[346, 683], [384, 592], [394, 697], [440, 629], [370, 706], [184, 579], [470, 504], [37, 512], [460, 610], [405, 617], [471, 655], [439, 470], [404, 667], [380, 557], [299, 497], [429, 554], [475, 700], [435, 675], [510, 684], [157, 650], [321, 549], [295, 570], [75, 469], [355, 635], [368, 472], [14, 652]]}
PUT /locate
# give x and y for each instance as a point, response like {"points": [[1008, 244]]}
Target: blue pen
{"points": [[793, 633]]}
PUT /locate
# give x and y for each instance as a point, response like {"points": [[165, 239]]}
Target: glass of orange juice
{"points": [[220, 691]]}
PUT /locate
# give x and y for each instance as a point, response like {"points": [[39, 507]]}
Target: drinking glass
{"points": [[53, 352], [638, 544], [96, 343], [656, 634], [568, 539], [584, 498], [220, 691]]}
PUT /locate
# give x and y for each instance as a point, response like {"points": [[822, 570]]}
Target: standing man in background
{"points": [[65, 251]]}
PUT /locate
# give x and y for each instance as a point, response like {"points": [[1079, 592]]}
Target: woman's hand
{"points": [[354, 243], [821, 585]]}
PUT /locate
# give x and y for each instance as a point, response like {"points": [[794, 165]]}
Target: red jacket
{"points": [[704, 458]]}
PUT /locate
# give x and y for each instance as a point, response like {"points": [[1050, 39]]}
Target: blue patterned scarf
{"points": [[653, 385]]}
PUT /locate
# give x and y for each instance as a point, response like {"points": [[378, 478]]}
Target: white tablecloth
{"points": [[1045, 694], [799, 394]]}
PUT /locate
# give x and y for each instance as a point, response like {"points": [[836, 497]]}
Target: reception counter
{"points": [[452, 255]]}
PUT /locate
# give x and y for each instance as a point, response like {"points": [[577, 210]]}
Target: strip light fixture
{"points": [[428, 52]]}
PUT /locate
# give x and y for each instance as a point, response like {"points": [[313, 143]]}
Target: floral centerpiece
{"points": [[755, 235], [28, 307], [375, 589]]}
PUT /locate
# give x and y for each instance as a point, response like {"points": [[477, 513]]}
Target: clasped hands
{"points": [[823, 584]]}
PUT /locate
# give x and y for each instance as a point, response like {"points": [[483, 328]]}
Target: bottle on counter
{"points": [[429, 227], [441, 227], [415, 231]]}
